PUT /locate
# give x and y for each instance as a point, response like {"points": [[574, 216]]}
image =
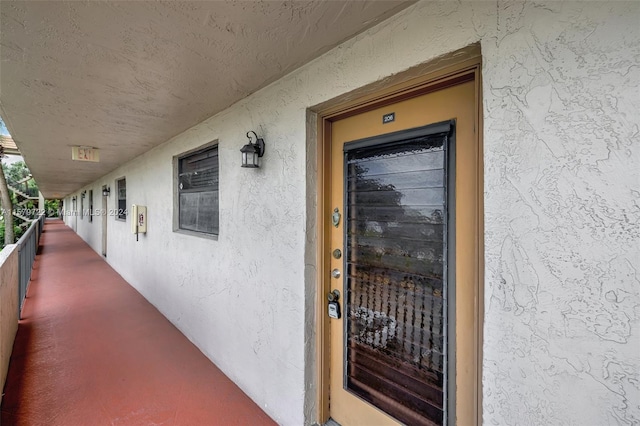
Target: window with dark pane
{"points": [[198, 181], [121, 187], [396, 237], [91, 205]]}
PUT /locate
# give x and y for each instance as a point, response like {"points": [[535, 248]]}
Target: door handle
{"points": [[333, 296]]}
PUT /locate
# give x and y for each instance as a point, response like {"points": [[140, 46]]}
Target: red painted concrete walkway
{"points": [[92, 351]]}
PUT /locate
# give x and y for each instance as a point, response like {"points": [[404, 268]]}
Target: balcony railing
{"points": [[16, 262], [27, 249]]}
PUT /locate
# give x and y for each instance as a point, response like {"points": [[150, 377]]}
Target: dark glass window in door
{"points": [[396, 241]]}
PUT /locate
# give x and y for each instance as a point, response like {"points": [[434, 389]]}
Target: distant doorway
{"points": [[75, 214], [104, 221]]}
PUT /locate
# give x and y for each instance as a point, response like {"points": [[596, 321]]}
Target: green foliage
{"points": [[16, 172], [17, 232], [52, 207]]}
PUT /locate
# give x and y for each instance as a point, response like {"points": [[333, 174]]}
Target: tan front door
{"points": [[404, 180]]}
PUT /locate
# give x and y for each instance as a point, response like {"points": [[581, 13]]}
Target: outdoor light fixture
{"points": [[84, 194], [106, 192], [251, 152]]}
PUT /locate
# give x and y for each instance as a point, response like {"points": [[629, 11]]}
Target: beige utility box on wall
{"points": [[138, 219]]}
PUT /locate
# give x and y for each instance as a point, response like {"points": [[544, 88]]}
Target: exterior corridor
{"points": [[90, 350]]}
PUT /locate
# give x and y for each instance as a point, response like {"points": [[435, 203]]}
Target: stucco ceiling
{"points": [[127, 76]]}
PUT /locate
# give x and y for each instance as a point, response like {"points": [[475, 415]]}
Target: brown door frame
{"points": [[465, 70]]}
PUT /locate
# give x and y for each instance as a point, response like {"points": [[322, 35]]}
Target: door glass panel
{"points": [[396, 234]]}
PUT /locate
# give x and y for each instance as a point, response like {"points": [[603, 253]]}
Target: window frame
{"points": [[118, 216], [176, 191], [90, 205]]}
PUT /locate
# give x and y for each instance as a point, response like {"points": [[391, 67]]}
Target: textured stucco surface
{"points": [[561, 149], [8, 307], [125, 76]]}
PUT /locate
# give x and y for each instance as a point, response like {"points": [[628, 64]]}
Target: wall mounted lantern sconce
{"points": [[74, 198], [106, 191], [84, 194], [251, 152]]}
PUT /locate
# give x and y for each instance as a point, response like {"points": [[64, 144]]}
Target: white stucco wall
{"points": [[562, 149], [561, 153]]}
